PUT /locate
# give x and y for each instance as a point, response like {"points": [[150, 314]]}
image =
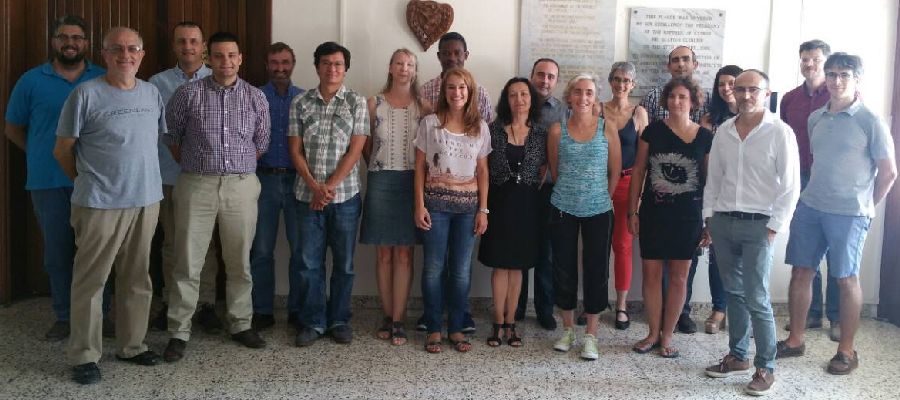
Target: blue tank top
{"points": [[582, 188]]}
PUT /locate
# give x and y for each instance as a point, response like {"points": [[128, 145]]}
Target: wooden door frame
{"points": [[889, 296]]}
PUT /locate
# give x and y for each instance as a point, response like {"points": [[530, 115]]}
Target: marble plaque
{"points": [[656, 31], [578, 34]]}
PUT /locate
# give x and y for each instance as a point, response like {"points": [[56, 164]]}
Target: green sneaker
{"points": [[565, 342], [589, 348]]}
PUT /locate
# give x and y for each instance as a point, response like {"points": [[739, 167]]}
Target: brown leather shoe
{"points": [[841, 364], [730, 365], [174, 350], [785, 351], [762, 383]]}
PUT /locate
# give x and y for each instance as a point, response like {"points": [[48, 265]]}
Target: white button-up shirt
{"points": [[760, 174]]}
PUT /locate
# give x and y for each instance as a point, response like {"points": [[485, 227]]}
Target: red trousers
{"points": [[622, 239]]}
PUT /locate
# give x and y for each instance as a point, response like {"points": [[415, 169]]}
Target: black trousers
{"points": [[596, 238]]}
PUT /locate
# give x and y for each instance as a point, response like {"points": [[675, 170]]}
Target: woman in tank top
{"points": [[584, 157]]}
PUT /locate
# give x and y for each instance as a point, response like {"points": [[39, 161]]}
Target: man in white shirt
{"points": [[751, 191]]}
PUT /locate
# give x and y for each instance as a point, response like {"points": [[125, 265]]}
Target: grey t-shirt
{"points": [[115, 155], [845, 146]]}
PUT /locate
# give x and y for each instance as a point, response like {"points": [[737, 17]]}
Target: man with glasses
{"points": [[853, 168], [187, 43], [32, 116], [106, 142], [327, 130], [751, 191], [796, 106], [218, 128]]}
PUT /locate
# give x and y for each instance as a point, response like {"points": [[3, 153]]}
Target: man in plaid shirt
{"points": [[218, 128], [327, 130], [453, 52]]}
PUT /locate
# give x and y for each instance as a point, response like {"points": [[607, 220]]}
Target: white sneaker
{"points": [[565, 342], [589, 348]]}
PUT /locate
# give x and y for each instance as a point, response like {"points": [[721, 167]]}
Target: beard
{"points": [[69, 61]]}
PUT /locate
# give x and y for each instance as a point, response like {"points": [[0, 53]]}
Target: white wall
{"points": [[761, 34]]}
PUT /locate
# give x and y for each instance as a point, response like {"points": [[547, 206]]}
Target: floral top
{"points": [[392, 136]]}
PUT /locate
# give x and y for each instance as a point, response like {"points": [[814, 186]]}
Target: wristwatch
{"points": [[484, 210]]}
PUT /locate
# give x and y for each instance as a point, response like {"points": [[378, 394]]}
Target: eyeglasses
{"points": [[329, 64], [62, 37], [116, 50], [833, 76], [626, 81], [753, 90]]}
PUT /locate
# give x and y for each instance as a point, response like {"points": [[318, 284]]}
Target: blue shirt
{"points": [[167, 82], [846, 146], [279, 113], [582, 188], [35, 102]]}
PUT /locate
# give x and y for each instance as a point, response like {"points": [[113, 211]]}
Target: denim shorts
{"points": [[815, 233]]}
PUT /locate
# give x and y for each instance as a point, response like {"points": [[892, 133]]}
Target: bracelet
{"points": [[484, 210]]}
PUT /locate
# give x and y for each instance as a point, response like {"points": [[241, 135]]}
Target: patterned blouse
{"points": [[535, 156], [392, 136]]}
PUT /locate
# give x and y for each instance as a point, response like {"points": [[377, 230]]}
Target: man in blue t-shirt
{"points": [[31, 119]]}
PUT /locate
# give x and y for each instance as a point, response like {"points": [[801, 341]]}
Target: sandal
{"points": [[644, 347], [384, 332], [434, 346], [462, 345], [398, 334], [669, 352], [512, 339], [623, 325], [494, 340], [715, 322]]}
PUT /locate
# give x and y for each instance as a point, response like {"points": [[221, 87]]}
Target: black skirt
{"points": [[512, 237]]}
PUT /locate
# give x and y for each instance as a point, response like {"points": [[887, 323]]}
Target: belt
{"points": [[627, 172], [270, 170], [744, 216]]}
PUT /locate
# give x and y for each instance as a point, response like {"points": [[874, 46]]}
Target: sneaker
{"points": [[762, 383], [86, 374], [783, 351], [730, 365], [420, 324], [686, 324], [57, 332], [342, 334], [249, 338], [589, 348], [841, 364], [306, 336], [109, 328], [160, 322], [547, 322], [208, 320], [468, 324], [834, 332], [565, 342], [262, 322]]}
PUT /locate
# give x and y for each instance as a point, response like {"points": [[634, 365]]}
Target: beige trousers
{"points": [[105, 238], [210, 266], [201, 201]]}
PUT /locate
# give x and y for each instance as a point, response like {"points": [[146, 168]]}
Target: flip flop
{"points": [[669, 352], [643, 347]]}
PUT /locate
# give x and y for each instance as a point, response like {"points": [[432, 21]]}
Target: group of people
{"points": [[203, 153]]}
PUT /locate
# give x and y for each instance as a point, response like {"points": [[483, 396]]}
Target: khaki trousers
{"points": [[105, 238], [210, 266], [201, 201]]}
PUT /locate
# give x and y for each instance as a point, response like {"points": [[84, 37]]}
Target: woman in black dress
{"points": [[516, 163], [672, 156]]}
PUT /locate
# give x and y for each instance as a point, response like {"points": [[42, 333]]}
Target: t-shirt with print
{"points": [[451, 158], [673, 187]]}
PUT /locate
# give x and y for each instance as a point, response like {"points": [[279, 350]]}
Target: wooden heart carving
{"points": [[428, 20]]}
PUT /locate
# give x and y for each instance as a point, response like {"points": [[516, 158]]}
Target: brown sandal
{"points": [[512, 339]]}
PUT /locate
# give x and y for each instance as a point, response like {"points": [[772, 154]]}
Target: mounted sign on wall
{"points": [[428, 20]]}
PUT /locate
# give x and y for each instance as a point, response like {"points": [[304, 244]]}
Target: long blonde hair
{"points": [[414, 85], [471, 115]]}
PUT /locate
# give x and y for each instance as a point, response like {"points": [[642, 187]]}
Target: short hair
{"points": [[188, 24], [584, 76], [845, 61], [815, 44], [73, 20], [222, 37], [693, 54], [689, 84], [504, 111], [329, 48], [119, 29], [718, 108], [540, 60], [471, 116], [624, 66], [761, 75], [278, 47], [450, 36]]}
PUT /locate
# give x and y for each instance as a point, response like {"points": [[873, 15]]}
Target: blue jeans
{"points": [[451, 237], [53, 209], [745, 259], [276, 195], [333, 227], [716, 288]]}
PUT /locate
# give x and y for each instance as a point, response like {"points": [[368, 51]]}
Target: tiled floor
{"points": [[217, 368]]}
